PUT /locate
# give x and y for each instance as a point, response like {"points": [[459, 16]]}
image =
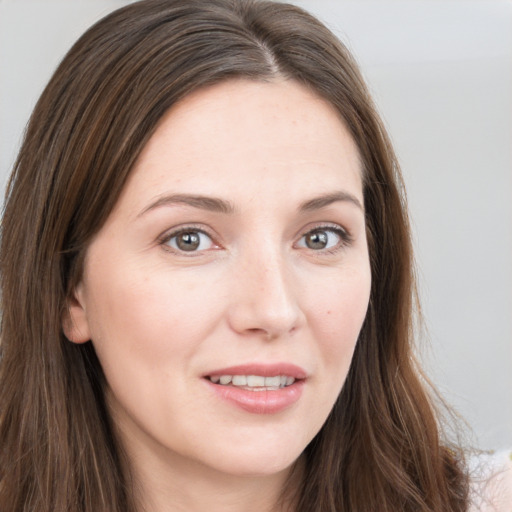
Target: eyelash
{"points": [[345, 237], [168, 236]]}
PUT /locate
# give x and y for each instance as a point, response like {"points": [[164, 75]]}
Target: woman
{"points": [[207, 285]]}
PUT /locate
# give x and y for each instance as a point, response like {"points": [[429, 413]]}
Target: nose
{"points": [[264, 300]]}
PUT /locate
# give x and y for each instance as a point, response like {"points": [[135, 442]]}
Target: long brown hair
{"points": [[380, 449]]}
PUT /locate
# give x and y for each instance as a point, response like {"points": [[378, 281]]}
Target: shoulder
{"points": [[491, 482]]}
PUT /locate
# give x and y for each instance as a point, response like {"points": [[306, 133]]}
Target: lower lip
{"points": [[260, 402]]}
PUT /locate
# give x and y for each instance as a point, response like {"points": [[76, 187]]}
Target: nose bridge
{"points": [[265, 300]]}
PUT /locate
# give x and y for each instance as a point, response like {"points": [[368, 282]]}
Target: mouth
{"points": [[259, 388], [253, 382]]}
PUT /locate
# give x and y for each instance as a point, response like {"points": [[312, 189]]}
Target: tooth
{"points": [[239, 380], [225, 379], [256, 381], [253, 381], [273, 382]]}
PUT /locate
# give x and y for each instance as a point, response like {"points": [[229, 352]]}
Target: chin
{"points": [[260, 467], [256, 462]]}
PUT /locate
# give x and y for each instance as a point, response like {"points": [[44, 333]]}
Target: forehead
{"points": [[257, 135]]}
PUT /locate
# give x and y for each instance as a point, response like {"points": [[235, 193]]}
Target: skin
{"points": [[161, 318]]}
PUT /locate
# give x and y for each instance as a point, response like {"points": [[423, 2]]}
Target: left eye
{"points": [[321, 239], [190, 241]]}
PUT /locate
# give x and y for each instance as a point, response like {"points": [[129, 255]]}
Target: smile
{"points": [[254, 382]]}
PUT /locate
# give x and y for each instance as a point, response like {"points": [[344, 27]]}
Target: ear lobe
{"points": [[74, 321]]}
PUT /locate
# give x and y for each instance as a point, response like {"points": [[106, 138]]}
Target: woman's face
{"points": [[226, 291]]}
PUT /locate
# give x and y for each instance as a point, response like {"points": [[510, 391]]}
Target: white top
{"points": [[491, 482]]}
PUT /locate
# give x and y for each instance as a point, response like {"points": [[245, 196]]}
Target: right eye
{"points": [[189, 240]]}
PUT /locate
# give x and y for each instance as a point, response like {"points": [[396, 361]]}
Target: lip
{"points": [[260, 402]]}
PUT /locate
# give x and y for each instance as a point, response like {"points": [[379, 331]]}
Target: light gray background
{"points": [[441, 73]]}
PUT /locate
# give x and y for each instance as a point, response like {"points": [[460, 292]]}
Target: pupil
{"points": [[188, 241], [317, 240]]}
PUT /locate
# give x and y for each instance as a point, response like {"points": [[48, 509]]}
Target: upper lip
{"points": [[265, 370]]}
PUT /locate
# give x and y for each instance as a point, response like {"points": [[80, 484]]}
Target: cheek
{"points": [[336, 318], [146, 332], [148, 318]]}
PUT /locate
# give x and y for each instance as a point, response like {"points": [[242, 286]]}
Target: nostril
{"points": [[261, 332]]}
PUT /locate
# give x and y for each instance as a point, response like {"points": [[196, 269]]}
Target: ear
{"points": [[74, 321]]}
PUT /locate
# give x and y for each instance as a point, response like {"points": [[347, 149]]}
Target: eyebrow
{"points": [[212, 204], [322, 201], [215, 204]]}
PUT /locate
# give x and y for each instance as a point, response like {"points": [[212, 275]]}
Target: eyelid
{"points": [[167, 235], [346, 238]]}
